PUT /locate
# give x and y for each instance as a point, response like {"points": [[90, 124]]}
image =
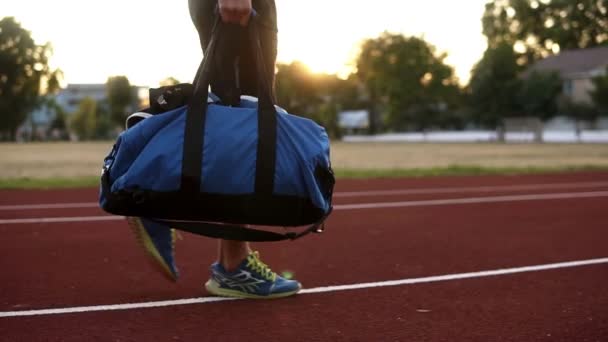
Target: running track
{"points": [[512, 258]]}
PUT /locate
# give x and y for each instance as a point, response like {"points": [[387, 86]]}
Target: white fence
{"points": [[483, 136]]}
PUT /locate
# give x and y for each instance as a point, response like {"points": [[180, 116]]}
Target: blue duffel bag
{"points": [[213, 170]]}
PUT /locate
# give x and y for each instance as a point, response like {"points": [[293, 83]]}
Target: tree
{"points": [[58, 128], [538, 96], [409, 79], [579, 111], [169, 81], [296, 88], [348, 93], [104, 127], [494, 86], [59, 122], [599, 94], [121, 97], [538, 28], [315, 96], [84, 121], [24, 72]]}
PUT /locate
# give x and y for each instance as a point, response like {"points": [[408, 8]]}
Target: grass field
{"points": [[77, 164]]}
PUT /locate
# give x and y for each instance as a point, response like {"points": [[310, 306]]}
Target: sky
{"points": [[150, 40]]}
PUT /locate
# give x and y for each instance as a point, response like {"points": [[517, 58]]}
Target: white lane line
{"points": [[323, 289], [379, 205], [472, 200], [448, 190], [549, 186], [62, 219], [50, 206]]}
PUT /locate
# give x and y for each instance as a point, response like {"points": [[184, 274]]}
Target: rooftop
{"points": [[573, 62]]}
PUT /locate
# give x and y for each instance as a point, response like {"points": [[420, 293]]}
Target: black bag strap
{"points": [[241, 233], [197, 111], [194, 130]]}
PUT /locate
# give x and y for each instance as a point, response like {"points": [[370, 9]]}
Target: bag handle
{"points": [[197, 111]]}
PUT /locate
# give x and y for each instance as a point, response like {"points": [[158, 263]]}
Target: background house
{"points": [[353, 121], [69, 98], [38, 123], [577, 68]]}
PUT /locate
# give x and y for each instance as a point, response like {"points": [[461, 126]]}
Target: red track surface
{"points": [[61, 265]]}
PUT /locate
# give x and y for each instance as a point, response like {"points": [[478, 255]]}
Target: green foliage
{"points": [[348, 93], [327, 116], [405, 78], [494, 86], [599, 94], [84, 121], [58, 128], [579, 111], [121, 97], [498, 93], [535, 29], [540, 27], [539, 94], [315, 96], [297, 88], [104, 126], [24, 72], [401, 76], [169, 81], [59, 122]]}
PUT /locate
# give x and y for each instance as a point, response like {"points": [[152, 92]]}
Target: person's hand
{"points": [[235, 11]]}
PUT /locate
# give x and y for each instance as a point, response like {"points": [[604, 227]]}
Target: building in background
{"points": [[69, 98], [577, 68], [38, 123], [353, 121]]}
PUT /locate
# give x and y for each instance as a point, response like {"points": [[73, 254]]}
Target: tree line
{"points": [[521, 32], [28, 83], [403, 81]]}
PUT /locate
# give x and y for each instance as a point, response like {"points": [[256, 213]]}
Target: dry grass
{"points": [[428, 155], [52, 160], [70, 160]]}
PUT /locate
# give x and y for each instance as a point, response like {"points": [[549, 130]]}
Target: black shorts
{"points": [[234, 70]]}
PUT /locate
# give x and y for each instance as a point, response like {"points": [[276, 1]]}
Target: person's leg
{"points": [[232, 253], [239, 272], [158, 242]]}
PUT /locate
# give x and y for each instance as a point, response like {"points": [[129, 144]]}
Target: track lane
{"points": [[341, 199], [560, 305], [99, 265], [101, 260], [90, 195]]}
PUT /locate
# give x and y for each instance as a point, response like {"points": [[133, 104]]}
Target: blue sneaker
{"points": [[252, 279], [158, 242]]}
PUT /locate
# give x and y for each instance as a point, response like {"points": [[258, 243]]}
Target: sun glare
{"points": [[317, 64], [320, 64], [161, 42]]}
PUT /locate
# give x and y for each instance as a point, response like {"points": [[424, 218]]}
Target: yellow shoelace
{"points": [[253, 261]]}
